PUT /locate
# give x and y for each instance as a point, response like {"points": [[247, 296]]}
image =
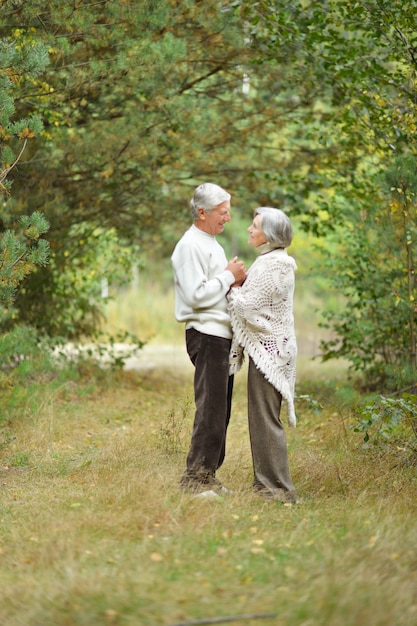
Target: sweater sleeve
{"points": [[202, 282]]}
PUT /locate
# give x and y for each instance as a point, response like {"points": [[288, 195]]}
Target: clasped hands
{"points": [[238, 270]]}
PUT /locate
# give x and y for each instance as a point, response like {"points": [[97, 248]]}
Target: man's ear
{"points": [[201, 214]]}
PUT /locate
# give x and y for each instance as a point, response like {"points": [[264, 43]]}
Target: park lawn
{"points": [[95, 531]]}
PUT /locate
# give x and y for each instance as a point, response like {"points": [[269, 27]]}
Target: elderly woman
{"points": [[261, 312]]}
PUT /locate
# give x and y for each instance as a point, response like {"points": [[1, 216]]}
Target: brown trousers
{"points": [[267, 435]]}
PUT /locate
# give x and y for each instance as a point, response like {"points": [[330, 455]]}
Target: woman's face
{"points": [[256, 236]]}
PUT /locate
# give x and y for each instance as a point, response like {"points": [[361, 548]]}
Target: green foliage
{"points": [[30, 364], [312, 404], [21, 252], [307, 106], [140, 102], [108, 350], [361, 128], [78, 282], [24, 360], [20, 459], [389, 420], [129, 140], [374, 272], [22, 60], [17, 344]]}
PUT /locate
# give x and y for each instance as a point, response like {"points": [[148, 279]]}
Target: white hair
{"points": [[276, 226], [207, 196]]}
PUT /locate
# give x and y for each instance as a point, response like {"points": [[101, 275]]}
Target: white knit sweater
{"points": [[261, 312], [201, 283]]}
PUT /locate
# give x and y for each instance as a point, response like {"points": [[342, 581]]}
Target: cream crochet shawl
{"points": [[261, 313]]}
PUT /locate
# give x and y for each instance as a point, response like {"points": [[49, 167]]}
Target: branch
{"points": [[400, 35], [231, 618], [6, 171], [19, 258], [192, 83]]}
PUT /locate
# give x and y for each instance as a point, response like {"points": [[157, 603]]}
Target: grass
{"points": [[94, 529], [146, 307]]}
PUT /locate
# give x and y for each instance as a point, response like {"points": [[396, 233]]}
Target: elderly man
{"points": [[203, 276]]}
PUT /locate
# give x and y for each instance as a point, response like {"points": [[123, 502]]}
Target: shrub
{"points": [[392, 421]]}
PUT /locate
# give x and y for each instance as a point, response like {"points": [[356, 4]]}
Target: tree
{"points": [[307, 106], [22, 250], [20, 254], [20, 64], [375, 328], [141, 102], [362, 54]]}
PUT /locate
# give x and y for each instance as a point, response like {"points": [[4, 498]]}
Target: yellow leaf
{"points": [[26, 133]]}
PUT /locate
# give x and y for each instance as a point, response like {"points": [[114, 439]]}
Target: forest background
{"points": [[111, 112]]}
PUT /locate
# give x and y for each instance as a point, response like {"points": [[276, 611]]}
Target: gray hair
{"points": [[207, 196], [276, 226]]}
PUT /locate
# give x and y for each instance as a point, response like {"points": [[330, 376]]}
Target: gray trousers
{"points": [[267, 435]]}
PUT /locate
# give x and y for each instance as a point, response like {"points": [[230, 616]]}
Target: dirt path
{"points": [[152, 356], [174, 356]]}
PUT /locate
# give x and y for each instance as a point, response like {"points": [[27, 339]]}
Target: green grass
{"points": [[94, 529], [146, 307]]}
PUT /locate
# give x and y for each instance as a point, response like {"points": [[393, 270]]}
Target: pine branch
{"points": [[6, 171]]}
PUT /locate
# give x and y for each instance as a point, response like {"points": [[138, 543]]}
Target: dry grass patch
{"points": [[94, 529]]}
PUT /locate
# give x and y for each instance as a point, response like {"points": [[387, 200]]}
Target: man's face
{"points": [[212, 222]]}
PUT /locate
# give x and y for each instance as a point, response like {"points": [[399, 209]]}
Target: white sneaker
{"points": [[207, 494], [224, 490]]}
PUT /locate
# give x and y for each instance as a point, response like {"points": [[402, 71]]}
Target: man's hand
{"points": [[238, 270]]}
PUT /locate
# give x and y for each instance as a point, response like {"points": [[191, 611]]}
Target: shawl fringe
{"points": [[269, 276], [262, 363]]}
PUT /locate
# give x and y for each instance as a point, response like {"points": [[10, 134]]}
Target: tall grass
{"points": [[145, 311], [94, 529]]}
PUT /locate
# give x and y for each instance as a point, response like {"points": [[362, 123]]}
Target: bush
{"points": [[391, 421]]}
